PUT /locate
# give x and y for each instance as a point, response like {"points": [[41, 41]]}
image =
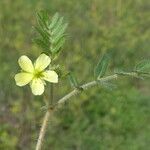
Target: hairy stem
{"points": [[63, 100], [85, 87], [43, 130]]}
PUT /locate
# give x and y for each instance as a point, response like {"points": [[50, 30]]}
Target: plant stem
{"points": [[85, 87], [43, 130], [63, 100], [51, 92]]}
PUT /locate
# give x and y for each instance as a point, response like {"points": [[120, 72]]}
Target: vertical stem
{"points": [[51, 94], [51, 85], [45, 120], [43, 130]]}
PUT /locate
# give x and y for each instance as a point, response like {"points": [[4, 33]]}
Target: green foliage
{"points": [[143, 66], [101, 67], [122, 117], [7, 140], [73, 81], [51, 32]]}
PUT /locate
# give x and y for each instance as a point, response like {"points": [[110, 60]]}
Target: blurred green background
{"points": [[98, 119]]}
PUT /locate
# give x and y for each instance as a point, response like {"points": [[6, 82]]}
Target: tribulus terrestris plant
{"points": [[51, 38]]}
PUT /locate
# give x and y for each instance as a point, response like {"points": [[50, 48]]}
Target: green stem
{"points": [[51, 85], [52, 94]]}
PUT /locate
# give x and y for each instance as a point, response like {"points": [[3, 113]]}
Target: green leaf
{"points": [[72, 80], [54, 21], [51, 33], [44, 34], [41, 43], [42, 19], [57, 47], [58, 26], [101, 67], [144, 65], [60, 34]]}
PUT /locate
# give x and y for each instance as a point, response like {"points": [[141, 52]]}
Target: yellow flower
{"points": [[35, 74]]}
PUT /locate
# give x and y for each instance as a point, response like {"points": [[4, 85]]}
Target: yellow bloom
{"points": [[35, 74]]}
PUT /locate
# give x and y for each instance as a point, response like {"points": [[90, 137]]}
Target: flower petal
{"points": [[37, 86], [42, 62], [26, 64], [23, 78], [50, 76]]}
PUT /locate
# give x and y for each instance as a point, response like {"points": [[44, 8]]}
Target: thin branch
{"points": [[64, 99], [85, 87]]}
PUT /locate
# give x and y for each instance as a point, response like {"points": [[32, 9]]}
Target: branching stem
{"points": [[64, 99], [85, 87]]}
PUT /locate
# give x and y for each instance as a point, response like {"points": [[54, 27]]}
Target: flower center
{"points": [[38, 74]]}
